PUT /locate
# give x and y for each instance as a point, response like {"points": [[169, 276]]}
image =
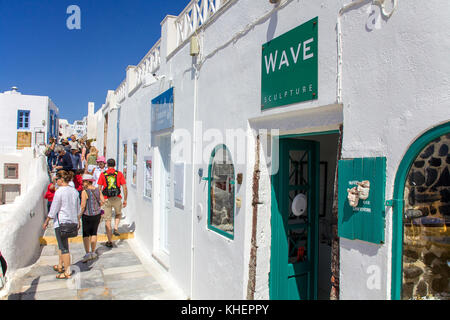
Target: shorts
{"points": [[63, 243], [110, 203], [90, 225]]}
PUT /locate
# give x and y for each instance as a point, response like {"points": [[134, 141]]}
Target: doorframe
{"points": [[274, 184], [397, 211], [161, 254]]}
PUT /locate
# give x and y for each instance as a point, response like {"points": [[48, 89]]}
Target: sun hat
{"points": [[88, 177], [101, 159]]}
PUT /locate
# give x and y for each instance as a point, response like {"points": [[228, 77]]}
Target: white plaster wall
{"points": [[395, 87], [39, 111], [229, 84], [23, 159], [21, 222]]}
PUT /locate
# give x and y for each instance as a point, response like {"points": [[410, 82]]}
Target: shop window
{"points": [[221, 192], [11, 171], [426, 224]]}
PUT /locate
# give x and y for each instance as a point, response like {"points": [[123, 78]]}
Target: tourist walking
{"points": [[99, 169], [91, 202], [78, 181], [65, 143], [91, 160], [50, 194], [76, 159], [50, 153], [64, 210], [83, 152], [64, 161], [110, 183]]}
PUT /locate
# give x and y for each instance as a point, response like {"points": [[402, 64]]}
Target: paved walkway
{"points": [[119, 273]]}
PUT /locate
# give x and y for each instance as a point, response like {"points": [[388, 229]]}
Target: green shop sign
{"points": [[289, 67]]}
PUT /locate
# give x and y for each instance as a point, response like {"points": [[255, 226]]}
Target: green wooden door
{"points": [[294, 252]]}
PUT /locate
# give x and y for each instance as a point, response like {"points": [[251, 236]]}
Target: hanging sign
{"points": [[289, 67], [162, 111], [361, 204]]}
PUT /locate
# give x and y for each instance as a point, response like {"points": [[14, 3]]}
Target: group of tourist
{"points": [[81, 193]]}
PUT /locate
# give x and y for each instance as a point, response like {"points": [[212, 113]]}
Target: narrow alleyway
{"points": [[119, 273]]}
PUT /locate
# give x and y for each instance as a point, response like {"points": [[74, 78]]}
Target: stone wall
{"points": [[426, 240]]}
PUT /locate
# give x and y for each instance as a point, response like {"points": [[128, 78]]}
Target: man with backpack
{"points": [[109, 184]]}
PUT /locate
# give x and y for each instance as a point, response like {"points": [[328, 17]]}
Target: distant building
{"points": [[80, 128], [91, 122], [26, 121], [65, 128]]}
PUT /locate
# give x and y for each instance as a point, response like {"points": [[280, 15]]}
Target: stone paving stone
{"points": [[41, 279], [41, 270], [120, 270], [49, 251], [128, 275], [90, 279], [99, 293], [119, 259], [130, 293], [136, 283], [116, 274], [60, 294], [45, 286]]}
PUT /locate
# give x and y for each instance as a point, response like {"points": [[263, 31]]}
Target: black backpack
{"points": [[111, 190]]}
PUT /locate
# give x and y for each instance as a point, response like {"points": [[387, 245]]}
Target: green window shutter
{"points": [[366, 221]]}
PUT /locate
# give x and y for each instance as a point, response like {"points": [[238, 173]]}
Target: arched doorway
{"points": [[421, 219]]}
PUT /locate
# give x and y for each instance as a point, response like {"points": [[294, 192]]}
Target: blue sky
{"points": [[41, 56]]}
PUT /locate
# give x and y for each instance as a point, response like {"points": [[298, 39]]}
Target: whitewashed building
{"points": [[231, 127], [65, 128], [27, 120]]}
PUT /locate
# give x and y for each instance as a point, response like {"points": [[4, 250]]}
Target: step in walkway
{"points": [[122, 272]]}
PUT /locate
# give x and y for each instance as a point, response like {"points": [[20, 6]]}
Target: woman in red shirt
{"points": [[78, 181], [50, 193]]}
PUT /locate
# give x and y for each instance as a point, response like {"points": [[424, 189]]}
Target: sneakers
{"points": [[116, 233], [86, 258], [89, 256], [109, 244]]}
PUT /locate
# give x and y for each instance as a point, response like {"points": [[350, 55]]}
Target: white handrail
{"points": [[196, 14]]}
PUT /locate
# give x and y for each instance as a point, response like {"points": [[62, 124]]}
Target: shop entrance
{"points": [[302, 198]]}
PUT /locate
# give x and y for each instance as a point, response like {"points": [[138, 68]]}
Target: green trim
{"points": [[397, 210], [280, 269], [308, 134], [209, 179]]}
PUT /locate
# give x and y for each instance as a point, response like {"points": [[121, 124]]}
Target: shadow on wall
{"points": [[365, 248]]}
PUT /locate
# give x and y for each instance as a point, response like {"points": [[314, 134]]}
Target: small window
{"points": [[11, 171], [148, 178], [135, 151], [124, 160], [23, 119], [221, 192]]}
